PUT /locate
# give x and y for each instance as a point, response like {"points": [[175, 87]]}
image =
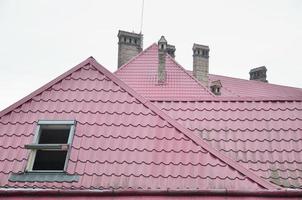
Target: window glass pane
{"points": [[50, 160], [54, 136]]}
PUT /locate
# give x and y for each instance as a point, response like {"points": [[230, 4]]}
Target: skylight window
{"points": [[50, 149]]}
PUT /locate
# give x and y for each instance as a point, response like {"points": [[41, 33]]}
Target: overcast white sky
{"points": [[41, 39]]}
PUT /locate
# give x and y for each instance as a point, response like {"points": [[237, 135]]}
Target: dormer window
{"points": [[216, 87], [51, 146]]}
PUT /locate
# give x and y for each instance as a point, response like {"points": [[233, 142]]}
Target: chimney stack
{"points": [[258, 74], [129, 45], [162, 49], [201, 63]]}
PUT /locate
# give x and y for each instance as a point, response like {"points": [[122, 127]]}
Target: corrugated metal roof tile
{"points": [[125, 144], [265, 137], [240, 87], [141, 75]]}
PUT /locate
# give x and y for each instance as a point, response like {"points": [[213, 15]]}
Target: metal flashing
{"points": [[43, 177], [56, 122]]}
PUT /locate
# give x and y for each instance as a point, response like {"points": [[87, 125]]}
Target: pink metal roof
{"points": [[236, 87], [263, 136], [250, 88], [257, 124], [233, 87], [122, 141], [140, 73], [154, 195]]}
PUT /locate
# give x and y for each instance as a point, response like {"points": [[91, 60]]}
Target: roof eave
{"points": [[215, 192]]}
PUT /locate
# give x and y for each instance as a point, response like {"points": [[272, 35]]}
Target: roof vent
{"points": [[129, 45], [258, 74], [201, 63], [162, 49], [216, 87]]}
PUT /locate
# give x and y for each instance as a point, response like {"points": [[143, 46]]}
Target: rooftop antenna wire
{"points": [[142, 17]]}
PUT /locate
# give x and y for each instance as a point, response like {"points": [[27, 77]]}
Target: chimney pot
{"points": [[258, 74], [129, 45]]}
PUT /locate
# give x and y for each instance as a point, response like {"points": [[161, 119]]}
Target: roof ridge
{"points": [[233, 164], [233, 99], [197, 140], [173, 60], [258, 82], [142, 52], [226, 88]]}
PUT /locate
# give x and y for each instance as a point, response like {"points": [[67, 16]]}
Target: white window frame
{"points": [[56, 147]]}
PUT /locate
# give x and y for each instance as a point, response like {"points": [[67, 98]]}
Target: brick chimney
{"points": [[161, 70], [129, 45], [201, 63], [258, 74]]}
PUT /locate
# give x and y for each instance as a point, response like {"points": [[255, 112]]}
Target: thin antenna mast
{"points": [[142, 16]]}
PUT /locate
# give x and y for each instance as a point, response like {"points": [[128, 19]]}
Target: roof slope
{"points": [[243, 122], [263, 136], [236, 87], [251, 88], [140, 73], [121, 141]]}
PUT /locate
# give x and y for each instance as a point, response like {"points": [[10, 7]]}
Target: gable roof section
{"points": [[263, 136], [122, 141], [140, 73]]}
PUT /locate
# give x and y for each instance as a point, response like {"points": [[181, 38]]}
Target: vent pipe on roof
{"points": [[129, 45], [161, 70], [201, 63], [258, 74]]}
